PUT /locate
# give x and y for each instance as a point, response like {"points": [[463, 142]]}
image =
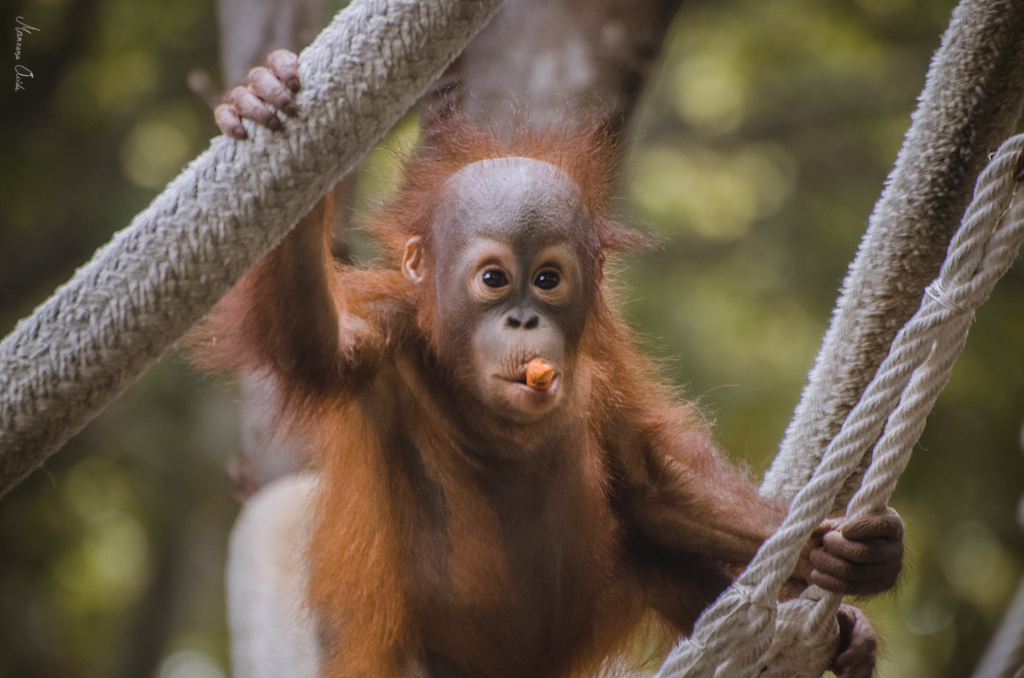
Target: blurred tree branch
{"points": [[545, 58]]}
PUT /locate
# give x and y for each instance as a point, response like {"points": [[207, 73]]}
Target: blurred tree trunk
{"points": [[546, 58]]}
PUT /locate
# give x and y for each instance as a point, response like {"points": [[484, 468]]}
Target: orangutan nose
{"points": [[517, 319]]}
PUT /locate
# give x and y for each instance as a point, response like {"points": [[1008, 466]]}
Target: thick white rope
{"points": [[970, 103], [734, 637], [119, 313]]}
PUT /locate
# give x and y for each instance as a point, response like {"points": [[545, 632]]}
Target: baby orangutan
{"points": [[503, 485]]}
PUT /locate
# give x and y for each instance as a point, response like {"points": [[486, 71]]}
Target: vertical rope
{"points": [[736, 637], [970, 102]]}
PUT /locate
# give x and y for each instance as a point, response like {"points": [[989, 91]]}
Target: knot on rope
{"points": [[804, 644], [730, 637], [937, 292]]}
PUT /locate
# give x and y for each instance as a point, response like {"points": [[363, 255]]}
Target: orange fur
{"points": [[355, 387], [357, 574]]}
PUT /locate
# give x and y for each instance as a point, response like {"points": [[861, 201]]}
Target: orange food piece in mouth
{"points": [[540, 374]]}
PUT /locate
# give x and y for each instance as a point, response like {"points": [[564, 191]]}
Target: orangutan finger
{"points": [[268, 88], [884, 525], [228, 121], [285, 66], [249, 106], [848, 588], [874, 551], [829, 564], [827, 525]]}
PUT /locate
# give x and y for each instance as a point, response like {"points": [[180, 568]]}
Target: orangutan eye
{"points": [[547, 280], [495, 278]]}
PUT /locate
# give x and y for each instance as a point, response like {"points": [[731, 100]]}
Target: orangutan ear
{"points": [[414, 261]]}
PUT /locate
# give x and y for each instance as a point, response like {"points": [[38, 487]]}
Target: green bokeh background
{"points": [[759, 152]]}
